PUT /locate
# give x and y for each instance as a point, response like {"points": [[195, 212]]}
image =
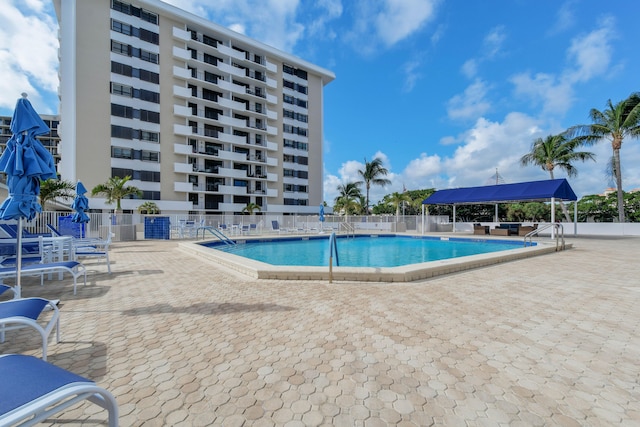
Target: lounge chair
{"points": [[93, 249], [33, 390], [4, 288], [275, 226], [74, 268], [24, 312]]}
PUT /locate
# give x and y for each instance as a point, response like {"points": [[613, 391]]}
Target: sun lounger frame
{"points": [[25, 315], [75, 268], [57, 389]]}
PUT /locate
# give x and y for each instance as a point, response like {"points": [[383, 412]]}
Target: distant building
{"points": [[51, 141], [205, 120]]}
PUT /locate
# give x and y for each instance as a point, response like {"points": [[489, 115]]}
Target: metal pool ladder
{"points": [[333, 247], [558, 231], [217, 233]]}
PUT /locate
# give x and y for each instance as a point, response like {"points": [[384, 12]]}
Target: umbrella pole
{"points": [[17, 290]]}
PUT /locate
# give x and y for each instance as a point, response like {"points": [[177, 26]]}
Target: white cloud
{"points": [[555, 95], [565, 18], [411, 75], [471, 104], [275, 24], [470, 68], [28, 54], [401, 18], [592, 53], [492, 44]]}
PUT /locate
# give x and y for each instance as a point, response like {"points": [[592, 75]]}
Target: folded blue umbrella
{"points": [[26, 162], [80, 205]]}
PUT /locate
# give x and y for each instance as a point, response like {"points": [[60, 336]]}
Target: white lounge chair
{"points": [[74, 268], [23, 313], [33, 390]]}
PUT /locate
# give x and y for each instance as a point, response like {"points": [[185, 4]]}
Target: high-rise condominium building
{"points": [[203, 119]]}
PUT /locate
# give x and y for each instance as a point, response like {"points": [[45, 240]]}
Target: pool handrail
{"points": [[333, 247]]}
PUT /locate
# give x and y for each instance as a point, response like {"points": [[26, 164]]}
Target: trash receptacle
{"points": [[67, 227], [157, 228]]}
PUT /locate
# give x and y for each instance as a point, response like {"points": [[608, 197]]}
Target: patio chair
{"points": [[23, 313], [275, 226], [4, 288], [93, 249], [33, 390]]}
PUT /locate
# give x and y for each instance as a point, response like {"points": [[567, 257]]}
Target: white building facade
{"points": [[204, 120]]}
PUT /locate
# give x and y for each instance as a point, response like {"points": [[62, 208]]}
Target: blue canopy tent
{"points": [[548, 190]]}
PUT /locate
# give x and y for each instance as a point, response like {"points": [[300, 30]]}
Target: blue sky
{"points": [[444, 92]]}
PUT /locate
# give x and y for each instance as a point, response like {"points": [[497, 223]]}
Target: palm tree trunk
{"points": [[616, 161]]}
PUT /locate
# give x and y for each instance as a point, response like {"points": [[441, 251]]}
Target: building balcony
{"points": [[271, 67], [226, 50], [231, 104], [182, 73], [182, 54], [182, 149], [271, 83], [272, 130], [231, 207], [180, 34], [233, 173], [182, 168], [182, 92], [183, 187], [234, 190]]}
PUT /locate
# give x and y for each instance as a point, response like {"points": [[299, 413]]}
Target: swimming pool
{"points": [[362, 251], [402, 273]]}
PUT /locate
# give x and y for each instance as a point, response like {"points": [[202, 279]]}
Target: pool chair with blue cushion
{"points": [[96, 249], [32, 390], [4, 288], [23, 313], [275, 226]]}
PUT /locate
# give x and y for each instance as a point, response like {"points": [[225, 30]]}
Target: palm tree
{"points": [[251, 208], [53, 189], [615, 123], [397, 200], [115, 190], [555, 151], [149, 208], [348, 199], [371, 174]]}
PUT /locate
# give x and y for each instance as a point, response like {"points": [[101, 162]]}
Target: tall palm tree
{"points": [[53, 189], [115, 189], [397, 200], [615, 123], [371, 174], [556, 151], [348, 198]]}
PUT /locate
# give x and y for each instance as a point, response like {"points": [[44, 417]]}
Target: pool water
{"points": [[363, 251]]}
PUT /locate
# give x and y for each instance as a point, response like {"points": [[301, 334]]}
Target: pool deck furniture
{"points": [[24, 313], [33, 390], [480, 229], [497, 231], [75, 268], [523, 230]]}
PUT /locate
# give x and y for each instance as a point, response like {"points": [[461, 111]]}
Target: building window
{"points": [[122, 90], [150, 156], [121, 27], [121, 153], [149, 136], [120, 48]]}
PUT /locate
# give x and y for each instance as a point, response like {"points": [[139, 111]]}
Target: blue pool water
{"points": [[363, 251]]}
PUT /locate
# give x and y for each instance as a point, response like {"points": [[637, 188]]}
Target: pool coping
{"points": [[406, 273]]}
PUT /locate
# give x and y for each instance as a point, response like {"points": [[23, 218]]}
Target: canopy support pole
{"points": [[495, 217], [453, 228], [553, 215]]}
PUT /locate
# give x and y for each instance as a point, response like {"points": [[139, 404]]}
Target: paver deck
{"points": [[550, 340]]}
